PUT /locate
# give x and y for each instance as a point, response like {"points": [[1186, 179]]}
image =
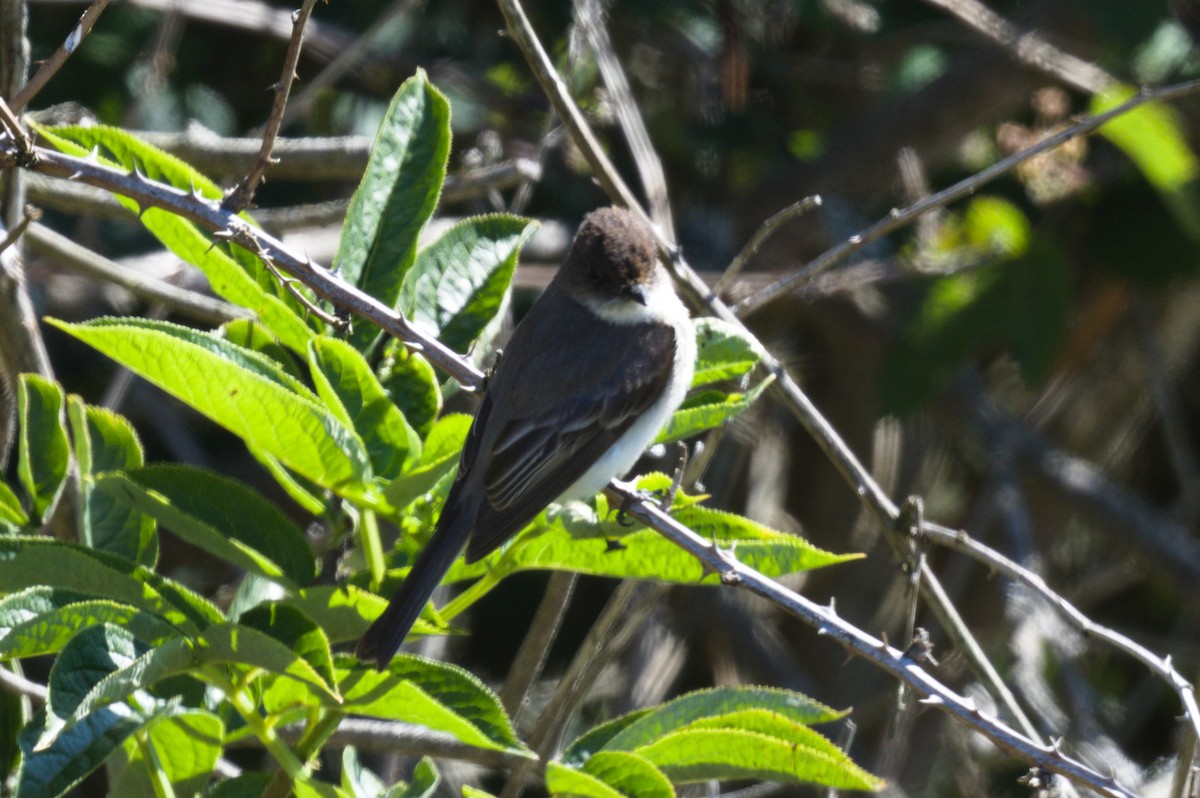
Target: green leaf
{"points": [[997, 227], [42, 620], [596, 738], [459, 282], [43, 452], [686, 709], [249, 334], [412, 385], [242, 645], [186, 744], [52, 771], [104, 441], [441, 453], [345, 381], [1152, 135], [424, 782], [227, 277], [692, 755], [707, 410], [287, 425], [26, 561], [564, 780], [433, 694], [295, 630], [219, 515], [397, 195], [723, 351], [344, 612], [630, 773], [12, 515]]}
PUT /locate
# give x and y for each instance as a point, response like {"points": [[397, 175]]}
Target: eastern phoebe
{"points": [[590, 376]]}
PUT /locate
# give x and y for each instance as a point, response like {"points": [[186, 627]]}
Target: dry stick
{"points": [[826, 621], [900, 217], [348, 58], [210, 215], [764, 231], [241, 197], [52, 64], [30, 215], [624, 614], [1028, 46], [79, 258], [806, 413], [522, 34], [588, 14], [531, 657]]}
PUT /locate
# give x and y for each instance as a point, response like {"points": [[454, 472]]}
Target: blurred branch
{"points": [[901, 217], [535, 647], [1029, 47], [194, 305], [241, 196], [52, 64], [589, 16]]}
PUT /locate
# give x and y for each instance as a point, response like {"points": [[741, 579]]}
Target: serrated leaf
{"points": [[297, 431], [680, 712], [344, 612], [723, 351], [227, 277], [434, 694], [708, 410], [26, 561], [345, 380], [630, 773], [412, 385], [442, 449], [692, 755], [248, 334], [12, 516], [105, 441], [43, 454], [397, 195], [459, 282], [564, 780], [294, 629], [596, 738], [219, 515], [42, 620], [186, 744], [50, 772]]}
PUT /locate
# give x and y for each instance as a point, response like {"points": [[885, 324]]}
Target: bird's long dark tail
{"points": [[381, 641]]}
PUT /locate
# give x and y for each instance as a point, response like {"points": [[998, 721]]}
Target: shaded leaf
{"points": [[43, 454]]}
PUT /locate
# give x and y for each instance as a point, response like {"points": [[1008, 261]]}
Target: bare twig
{"points": [[31, 214], [827, 623], [764, 231], [194, 305], [18, 685], [588, 14], [1029, 47], [52, 64], [531, 657], [241, 197], [347, 59], [900, 217], [523, 34], [12, 125], [621, 618]]}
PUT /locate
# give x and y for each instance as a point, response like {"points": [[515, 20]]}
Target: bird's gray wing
{"points": [[535, 456]]}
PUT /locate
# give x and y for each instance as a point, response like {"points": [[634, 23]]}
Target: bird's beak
{"points": [[637, 293]]}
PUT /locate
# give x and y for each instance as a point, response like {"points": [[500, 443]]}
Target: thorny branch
{"points": [[211, 216], [241, 197]]}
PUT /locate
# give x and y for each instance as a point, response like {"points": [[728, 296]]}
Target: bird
{"points": [[589, 377]]}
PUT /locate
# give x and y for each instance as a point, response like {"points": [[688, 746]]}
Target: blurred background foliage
{"points": [[1026, 359]]}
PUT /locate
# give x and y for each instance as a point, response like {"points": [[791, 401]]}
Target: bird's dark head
{"points": [[613, 257]]}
